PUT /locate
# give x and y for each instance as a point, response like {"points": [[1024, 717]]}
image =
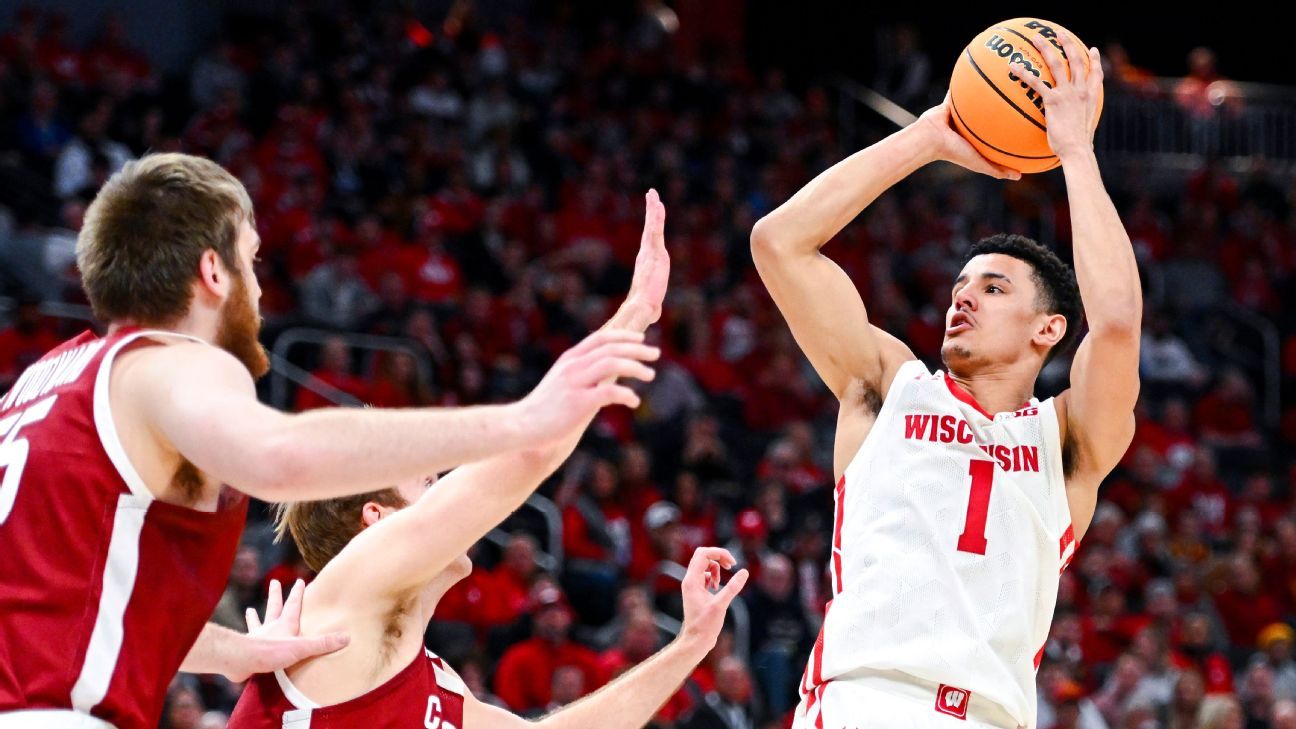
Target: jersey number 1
{"points": [[973, 538]]}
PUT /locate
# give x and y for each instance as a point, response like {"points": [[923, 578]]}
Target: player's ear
{"points": [[370, 513], [213, 277], [1051, 329]]}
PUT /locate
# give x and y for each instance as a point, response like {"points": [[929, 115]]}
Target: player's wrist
{"points": [[1076, 152], [634, 314], [930, 141], [693, 644]]}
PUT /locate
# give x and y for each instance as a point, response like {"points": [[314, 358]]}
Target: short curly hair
{"points": [[1058, 291]]}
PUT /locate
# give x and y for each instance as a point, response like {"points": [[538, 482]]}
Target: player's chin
{"points": [[954, 350]]}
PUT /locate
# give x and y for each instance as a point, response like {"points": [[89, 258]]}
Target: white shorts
{"points": [[890, 700], [50, 719]]}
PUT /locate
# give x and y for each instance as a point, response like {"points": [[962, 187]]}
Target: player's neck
{"points": [[197, 323], [998, 389]]}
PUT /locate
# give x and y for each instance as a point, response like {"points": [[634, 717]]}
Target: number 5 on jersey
{"points": [[13, 450]]}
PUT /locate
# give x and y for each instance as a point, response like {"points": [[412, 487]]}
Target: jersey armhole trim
{"points": [[103, 418], [292, 693], [903, 374]]}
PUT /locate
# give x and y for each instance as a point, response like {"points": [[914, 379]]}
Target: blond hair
{"points": [[322, 528]]}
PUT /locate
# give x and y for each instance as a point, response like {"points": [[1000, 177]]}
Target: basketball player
{"points": [[126, 458], [385, 559], [961, 497]]}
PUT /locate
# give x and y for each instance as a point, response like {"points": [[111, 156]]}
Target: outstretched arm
{"points": [[406, 549], [1104, 375], [631, 700], [818, 299]]}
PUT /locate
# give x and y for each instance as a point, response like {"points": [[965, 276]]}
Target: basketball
{"points": [[994, 110]]}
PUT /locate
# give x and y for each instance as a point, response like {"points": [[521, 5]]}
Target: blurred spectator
{"points": [[1283, 715], [524, 678], [1244, 606], [1165, 359], [243, 591], [183, 709], [89, 158], [1186, 702], [1226, 415], [399, 384], [1257, 695], [750, 546], [1275, 642], [637, 642], [1220, 712], [334, 295], [26, 341], [780, 634], [335, 372], [904, 70], [728, 706]]}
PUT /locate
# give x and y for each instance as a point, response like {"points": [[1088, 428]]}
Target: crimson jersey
{"points": [[103, 589], [426, 693]]}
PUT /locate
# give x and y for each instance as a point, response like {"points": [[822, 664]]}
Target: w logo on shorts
{"points": [[952, 701]]}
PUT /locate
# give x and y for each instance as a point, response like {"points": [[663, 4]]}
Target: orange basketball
{"points": [[996, 111]]}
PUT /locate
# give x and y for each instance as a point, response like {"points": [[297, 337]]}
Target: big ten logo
{"points": [[432, 719], [1005, 49]]}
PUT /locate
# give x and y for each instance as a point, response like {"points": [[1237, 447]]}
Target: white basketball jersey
{"points": [[951, 530]]}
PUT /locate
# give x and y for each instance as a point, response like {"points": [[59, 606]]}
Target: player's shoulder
{"points": [[181, 354], [173, 365]]}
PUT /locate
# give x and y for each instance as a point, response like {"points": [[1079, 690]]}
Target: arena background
{"points": [[450, 193]]}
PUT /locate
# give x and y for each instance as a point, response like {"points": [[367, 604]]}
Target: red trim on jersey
{"points": [[1039, 657], [840, 509], [963, 395], [819, 717], [1068, 540]]}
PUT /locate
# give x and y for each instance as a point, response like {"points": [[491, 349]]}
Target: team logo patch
{"points": [[952, 701]]}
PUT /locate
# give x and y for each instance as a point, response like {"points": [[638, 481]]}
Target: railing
{"points": [[737, 610], [551, 558], [1269, 356], [284, 371], [1239, 123]]}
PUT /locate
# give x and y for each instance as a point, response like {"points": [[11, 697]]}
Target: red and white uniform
{"points": [[427, 693], [952, 528], [103, 589]]}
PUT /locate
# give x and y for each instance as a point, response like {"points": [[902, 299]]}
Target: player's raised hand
{"points": [[584, 379], [705, 602], [1072, 103], [951, 147], [276, 642], [652, 268]]}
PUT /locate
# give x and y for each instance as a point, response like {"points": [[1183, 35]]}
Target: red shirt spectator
{"points": [[334, 372], [524, 677], [1245, 607], [30, 337], [435, 276]]}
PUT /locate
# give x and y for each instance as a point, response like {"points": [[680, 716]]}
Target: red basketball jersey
{"points": [[426, 693], [103, 589]]}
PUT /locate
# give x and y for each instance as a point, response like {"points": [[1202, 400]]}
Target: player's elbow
{"points": [[764, 236], [1117, 330]]}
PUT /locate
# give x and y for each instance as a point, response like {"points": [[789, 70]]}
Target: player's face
{"points": [[239, 328], [412, 491], [993, 317]]}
